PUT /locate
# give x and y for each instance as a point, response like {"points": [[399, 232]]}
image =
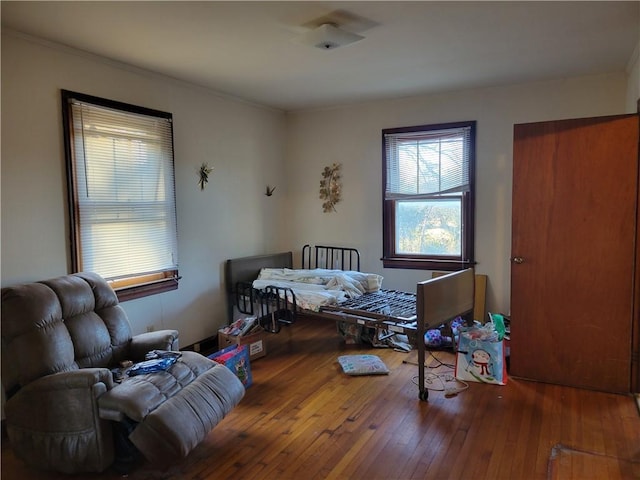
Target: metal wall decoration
{"points": [[204, 172], [330, 187]]}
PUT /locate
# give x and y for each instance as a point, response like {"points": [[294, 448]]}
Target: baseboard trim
{"points": [[205, 346]]}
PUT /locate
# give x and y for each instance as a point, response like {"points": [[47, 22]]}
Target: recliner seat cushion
{"points": [[175, 409], [137, 396]]}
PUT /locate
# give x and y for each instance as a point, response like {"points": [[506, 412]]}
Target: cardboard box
{"points": [[255, 341]]}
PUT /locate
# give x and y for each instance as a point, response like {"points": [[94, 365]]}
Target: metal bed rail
{"points": [[272, 306], [332, 258]]}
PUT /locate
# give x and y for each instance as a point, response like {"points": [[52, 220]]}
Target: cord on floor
{"points": [[442, 382]]}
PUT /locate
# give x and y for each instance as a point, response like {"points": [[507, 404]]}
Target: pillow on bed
{"points": [[362, 365]]}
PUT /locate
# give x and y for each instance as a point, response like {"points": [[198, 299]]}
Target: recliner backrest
{"points": [[70, 322]]}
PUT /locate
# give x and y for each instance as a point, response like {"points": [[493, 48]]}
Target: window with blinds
{"points": [[428, 192], [121, 193]]}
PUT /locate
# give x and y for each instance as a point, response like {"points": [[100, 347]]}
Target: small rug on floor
{"points": [[567, 463]]}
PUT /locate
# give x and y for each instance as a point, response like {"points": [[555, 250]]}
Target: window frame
{"points": [[390, 257], [131, 286]]}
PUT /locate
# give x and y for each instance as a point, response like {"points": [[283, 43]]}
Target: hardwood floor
{"points": [[303, 418]]}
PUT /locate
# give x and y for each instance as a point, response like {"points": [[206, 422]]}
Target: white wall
{"points": [[351, 135], [249, 147], [633, 83], [230, 218]]}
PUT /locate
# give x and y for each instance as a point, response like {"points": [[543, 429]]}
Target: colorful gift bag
{"points": [[236, 359], [480, 359]]}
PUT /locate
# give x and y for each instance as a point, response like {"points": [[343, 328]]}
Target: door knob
{"points": [[517, 260]]}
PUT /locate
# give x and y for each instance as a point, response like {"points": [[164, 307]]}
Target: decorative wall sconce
{"points": [[330, 187], [204, 172]]}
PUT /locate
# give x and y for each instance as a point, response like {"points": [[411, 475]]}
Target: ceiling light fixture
{"points": [[329, 37]]}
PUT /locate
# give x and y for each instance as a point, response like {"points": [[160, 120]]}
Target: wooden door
{"points": [[575, 197]]}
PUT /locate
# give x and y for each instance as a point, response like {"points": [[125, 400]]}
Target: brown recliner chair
{"points": [[60, 340]]}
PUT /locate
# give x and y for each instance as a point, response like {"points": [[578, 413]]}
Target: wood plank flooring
{"points": [[303, 418]]}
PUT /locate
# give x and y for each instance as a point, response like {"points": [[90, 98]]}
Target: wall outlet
{"points": [[151, 328]]}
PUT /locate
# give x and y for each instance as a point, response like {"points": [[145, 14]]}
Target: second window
{"points": [[428, 196]]}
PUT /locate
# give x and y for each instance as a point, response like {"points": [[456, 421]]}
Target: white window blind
{"points": [[124, 191], [427, 163]]}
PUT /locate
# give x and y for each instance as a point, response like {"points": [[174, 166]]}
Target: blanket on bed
{"points": [[318, 287]]}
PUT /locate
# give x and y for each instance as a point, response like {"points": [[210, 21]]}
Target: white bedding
{"points": [[317, 287]]}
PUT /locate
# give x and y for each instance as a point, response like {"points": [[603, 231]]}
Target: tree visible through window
{"points": [[121, 193], [428, 191]]}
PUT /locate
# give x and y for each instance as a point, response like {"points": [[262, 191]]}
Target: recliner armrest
{"points": [[53, 422], [158, 340], [84, 377], [43, 404]]}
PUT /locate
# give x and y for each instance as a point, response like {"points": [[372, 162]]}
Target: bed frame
{"points": [[337, 258], [239, 274], [436, 301]]}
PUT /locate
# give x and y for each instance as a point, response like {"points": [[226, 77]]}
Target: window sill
{"points": [[426, 264], [147, 289]]}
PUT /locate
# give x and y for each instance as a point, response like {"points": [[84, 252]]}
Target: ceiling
{"points": [[251, 50]]}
